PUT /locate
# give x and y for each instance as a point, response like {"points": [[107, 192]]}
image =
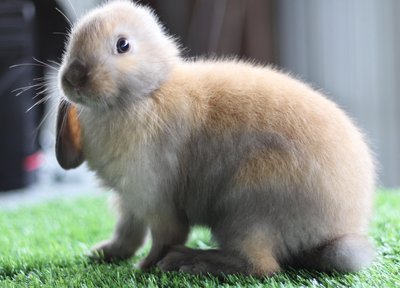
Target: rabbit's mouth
{"points": [[79, 98], [74, 94]]}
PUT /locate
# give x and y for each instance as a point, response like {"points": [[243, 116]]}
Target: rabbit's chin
{"points": [[88, 101]]}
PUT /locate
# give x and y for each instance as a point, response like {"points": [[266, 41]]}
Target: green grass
{"points": [[45, 246]]}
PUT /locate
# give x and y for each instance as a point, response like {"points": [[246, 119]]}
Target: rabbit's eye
{"points": [[122, 45]]}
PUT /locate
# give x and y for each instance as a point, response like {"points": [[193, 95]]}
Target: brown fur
{"points": [[259, 253], [75, 128], [228, 96], [279, 173]]}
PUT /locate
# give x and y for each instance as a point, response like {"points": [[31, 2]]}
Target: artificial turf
{"points": [[45, 246]]}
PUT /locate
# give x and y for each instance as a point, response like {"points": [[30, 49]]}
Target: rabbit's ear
{"points": [[68, 138]]}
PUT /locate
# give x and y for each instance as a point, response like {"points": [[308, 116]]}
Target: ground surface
{"points": [[45, 246]]}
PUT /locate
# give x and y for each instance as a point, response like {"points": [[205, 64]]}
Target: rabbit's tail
{"points": [[349, 253]]}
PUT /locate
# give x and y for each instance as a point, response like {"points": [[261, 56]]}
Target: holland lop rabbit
{"points": [[277, 171]]}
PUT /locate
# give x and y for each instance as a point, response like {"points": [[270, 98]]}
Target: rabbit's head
{"points": [[116, 54]]}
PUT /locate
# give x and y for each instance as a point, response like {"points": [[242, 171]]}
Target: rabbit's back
{"points": [[265, 146]]}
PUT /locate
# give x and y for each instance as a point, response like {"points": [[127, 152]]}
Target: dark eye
{"points": [[122, 45]]}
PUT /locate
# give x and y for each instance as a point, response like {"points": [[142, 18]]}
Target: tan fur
{"points": [[266, 100], [289, 169], [74, 128], [257, 249]]}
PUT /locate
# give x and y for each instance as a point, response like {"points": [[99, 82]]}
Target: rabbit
{"points": [[277, 171]]}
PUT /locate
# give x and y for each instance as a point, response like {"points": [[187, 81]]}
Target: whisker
{"points": [[38, 64], [25, 64], [65, 16], [43, 85], [27, 87], [51, 112], [80, 112], [45, 64], [48, 89], [40, 79], [60, 33], [24, 89], [54, 62], [43, 100], [73, 9], [50, 76]]}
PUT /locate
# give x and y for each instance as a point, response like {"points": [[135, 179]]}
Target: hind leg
{"points": [[167, 230], [348, 253], [196, 261], [251, 256]]}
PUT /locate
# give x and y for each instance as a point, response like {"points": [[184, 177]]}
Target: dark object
{"points": [[16, 126], [26, 31]]}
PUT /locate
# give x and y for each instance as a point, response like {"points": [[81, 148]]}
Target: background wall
{"points": [[347, 48]]}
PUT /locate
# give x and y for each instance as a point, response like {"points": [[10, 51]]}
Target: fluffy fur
{"points": [[277, 171]]}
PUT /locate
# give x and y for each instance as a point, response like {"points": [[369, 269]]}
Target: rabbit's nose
{"points": [[76, 74]]}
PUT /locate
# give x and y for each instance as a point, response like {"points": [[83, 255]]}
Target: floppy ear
{"points": [[68, 138]]}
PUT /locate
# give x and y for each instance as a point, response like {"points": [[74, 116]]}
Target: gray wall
{"points": [[76, 8], [349, 49]]}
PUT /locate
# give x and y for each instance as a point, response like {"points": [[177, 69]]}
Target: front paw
{"points": [[110, 251]]}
